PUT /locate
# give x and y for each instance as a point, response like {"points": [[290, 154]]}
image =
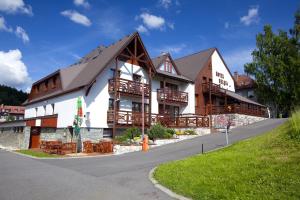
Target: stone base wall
{"points": [[63, 134], [219, 121], [199, 131], [10, 140]]}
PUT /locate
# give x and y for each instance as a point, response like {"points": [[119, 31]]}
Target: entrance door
{"points": [[35, 137]]}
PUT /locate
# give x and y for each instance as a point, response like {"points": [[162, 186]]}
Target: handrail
{"points": [[235, 108], [166, 94], [128, 86], [130, 118]]}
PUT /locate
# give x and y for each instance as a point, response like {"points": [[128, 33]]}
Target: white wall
{"points": [[182, 86], [219, 66], [65, 107], [98, 99]]}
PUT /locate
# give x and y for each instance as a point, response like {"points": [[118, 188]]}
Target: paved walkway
{"points": [[114, 177]]}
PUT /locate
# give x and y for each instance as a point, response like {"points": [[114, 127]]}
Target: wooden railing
{"points": [[172, 96], [214, 88], [128, 87], [236, 108], [128, 118]]}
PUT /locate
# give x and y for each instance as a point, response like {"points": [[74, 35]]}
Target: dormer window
{"points": [[54, 82], [168, 66]]}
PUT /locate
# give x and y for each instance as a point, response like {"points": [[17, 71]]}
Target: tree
{"points": [[12, 96], [276, 67]]}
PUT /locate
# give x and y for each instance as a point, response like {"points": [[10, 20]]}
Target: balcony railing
{"points": [[238, 109], [172, 96], [128, 118], [128, 87], [214, 88]]}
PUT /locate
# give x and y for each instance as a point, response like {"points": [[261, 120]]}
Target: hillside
{"points": [[11, 96]]}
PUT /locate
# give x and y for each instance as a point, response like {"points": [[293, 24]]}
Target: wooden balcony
{"points": [[238, 109], [172, 96], [128, 87], [214, 88], [128, 118]]}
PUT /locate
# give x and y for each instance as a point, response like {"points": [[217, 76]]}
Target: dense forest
{"points": [[11, 96]]}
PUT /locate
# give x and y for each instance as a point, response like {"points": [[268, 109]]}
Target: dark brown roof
{"points": [[191, 65], [159, 60], [241, 98], [85, 71]]}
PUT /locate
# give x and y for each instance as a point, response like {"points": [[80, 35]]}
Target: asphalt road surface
{"points": [[111, 177]]}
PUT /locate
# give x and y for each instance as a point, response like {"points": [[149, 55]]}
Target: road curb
{"points": [[164, 189], [168, 191]]}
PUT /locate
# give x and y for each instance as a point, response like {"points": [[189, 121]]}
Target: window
{"points": [[37, 88], [137, 107], [54, 82], [136, 78], [46, 85], [111, 104], [53, 106], [168, 66], [119, 73]]}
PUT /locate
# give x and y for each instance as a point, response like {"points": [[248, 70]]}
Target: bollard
{"points": [[145, 146], [202, 148]]}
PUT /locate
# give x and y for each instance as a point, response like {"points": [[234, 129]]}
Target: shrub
{"points": [[133, 132], [294, 132], [156, 131], [122, 139], [190, 132], [171, 131], [179, 132]]}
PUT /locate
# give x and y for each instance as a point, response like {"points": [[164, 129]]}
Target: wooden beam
{"points": [[129, 51], [135, 46], [140, 56]]}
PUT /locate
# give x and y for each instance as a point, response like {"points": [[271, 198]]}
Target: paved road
{"points": [[114, 177]]}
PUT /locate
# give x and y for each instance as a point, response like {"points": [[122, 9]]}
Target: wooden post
{"points": [[210, 104], [150, 94], [115, 98]]}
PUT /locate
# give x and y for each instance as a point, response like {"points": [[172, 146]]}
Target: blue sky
{"points": [[38, 37]]}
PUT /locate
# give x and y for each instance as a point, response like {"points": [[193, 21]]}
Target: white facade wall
{"points": [[98, 99], [182, 86], [65, 107], [95, 105], [219, 66]]}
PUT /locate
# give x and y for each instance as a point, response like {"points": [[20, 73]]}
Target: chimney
{"points": [[236, 75]]}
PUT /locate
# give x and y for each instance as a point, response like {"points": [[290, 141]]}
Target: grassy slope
{"points": [[37, 154], [264, 167]]}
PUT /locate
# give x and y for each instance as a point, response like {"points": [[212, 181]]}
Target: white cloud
{"points": [[21, 33], [152, 21], [15, 70], [165, 3], [226, 25], [82, 3], [173, 49], [237, 58], [3, 25], [15, 6], [251, 18], [171, 25], [76, 17], [142, 29]]}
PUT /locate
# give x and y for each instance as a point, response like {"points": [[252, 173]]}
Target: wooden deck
{"points": [[172, 96], [128, 87], [128, 118]]}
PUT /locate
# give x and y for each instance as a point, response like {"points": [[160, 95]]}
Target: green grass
{"points": [[264, 167], [37, 154]]}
